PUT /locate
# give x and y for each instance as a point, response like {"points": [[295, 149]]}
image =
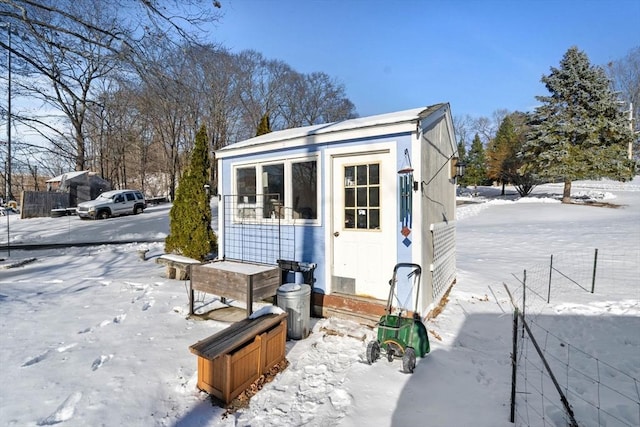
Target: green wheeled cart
{"points": [[401, 336]]}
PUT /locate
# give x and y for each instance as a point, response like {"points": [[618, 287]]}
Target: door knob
{"points": [[336, 234]]}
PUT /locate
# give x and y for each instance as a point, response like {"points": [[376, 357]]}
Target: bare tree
{"points": [[67, 47], [463, 128], [314, 98], [625, 80], [127, 86], [261, 83]]}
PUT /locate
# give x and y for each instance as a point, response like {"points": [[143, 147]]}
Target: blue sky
{"points": [[479, 55]]}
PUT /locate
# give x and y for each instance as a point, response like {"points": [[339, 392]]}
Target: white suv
{"points": [[113, 203]]}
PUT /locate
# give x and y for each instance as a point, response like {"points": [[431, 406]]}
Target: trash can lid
{"points": [[289, 287]]}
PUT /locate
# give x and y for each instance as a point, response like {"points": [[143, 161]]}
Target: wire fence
{"points": [[254, 229], [573, 366]]}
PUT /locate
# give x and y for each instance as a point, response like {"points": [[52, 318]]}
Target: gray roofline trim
{"points": [[303, 134]]}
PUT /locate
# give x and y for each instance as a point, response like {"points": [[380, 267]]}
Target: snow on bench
{"points": [[177, 264]]}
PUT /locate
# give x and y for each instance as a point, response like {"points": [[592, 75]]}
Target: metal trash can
{"points": [[295, 299]]}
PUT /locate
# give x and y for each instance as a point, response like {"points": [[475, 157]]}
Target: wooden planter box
{"points": [[231, 360], [235, 280]]}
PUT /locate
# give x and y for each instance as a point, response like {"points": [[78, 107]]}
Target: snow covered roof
{"points": [[67, 176], [307, 132]]}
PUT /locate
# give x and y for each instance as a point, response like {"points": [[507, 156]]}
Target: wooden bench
{"points": [[232, 359], [177, 264]]}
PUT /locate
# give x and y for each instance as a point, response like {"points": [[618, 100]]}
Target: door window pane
{"points": [[362, 196], [349, 197], [349, 218], [362, 218], [349, 176], [374, 196], [361, 173], [374, 174], [374, 218]]}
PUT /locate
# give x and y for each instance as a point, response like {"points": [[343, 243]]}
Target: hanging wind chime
{"points": [[405, 190]]}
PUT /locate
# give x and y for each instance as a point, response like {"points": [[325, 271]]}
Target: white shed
{"points": [[354, 198]]}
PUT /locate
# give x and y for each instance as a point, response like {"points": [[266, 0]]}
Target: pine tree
{"points": [[190, 232], [476, 171], [463, 157], [578, 132], [462, 152]]}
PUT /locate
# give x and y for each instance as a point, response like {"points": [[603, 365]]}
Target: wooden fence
{"points": [[34, 204]]}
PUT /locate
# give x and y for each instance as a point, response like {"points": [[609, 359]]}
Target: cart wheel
{"points": [[391, 351], [373, 351], [409, 360]]}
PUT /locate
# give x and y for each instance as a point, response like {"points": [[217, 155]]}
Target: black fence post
{"points": [[593, 278], [514, 365], [524, 297], [550, 271]]}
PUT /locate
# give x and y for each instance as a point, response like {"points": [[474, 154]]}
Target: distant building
{"points": [[81, 186]]}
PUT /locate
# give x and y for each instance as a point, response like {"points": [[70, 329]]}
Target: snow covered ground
{"points": [[95, 336]]}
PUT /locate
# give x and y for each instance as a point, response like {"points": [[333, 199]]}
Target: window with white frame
{"points": [[289, 190], [362, 196]]}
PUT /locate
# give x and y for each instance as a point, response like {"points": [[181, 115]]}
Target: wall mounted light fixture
{"points": [[457, 168]]}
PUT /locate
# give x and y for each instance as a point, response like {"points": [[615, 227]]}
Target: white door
{"points": [[364, 214]]}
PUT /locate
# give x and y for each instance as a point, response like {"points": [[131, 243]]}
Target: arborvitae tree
{"points": [[578, 132], [190, 232], [503, 164], [264, 126], [476, 171]]}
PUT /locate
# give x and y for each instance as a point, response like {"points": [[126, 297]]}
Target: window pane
{"points": [[273, 190], [374, 199], [362, 218], [349, 218], [246, 185], [362, 196], [273, 180], [305, 189], [349, 176], [361, 173], [374, 218], [374, 174], [349, 197]]}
